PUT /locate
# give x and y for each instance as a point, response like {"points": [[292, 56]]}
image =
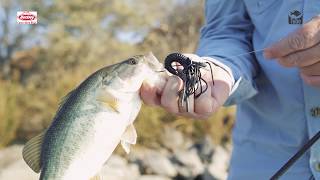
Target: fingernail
{"points": [[267, 54]]}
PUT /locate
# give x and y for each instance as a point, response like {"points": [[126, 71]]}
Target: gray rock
{"points": [[206, 175], [190, 160], [117, 168], [12, 165], [173, 139], [136, 156], [153, 177], [10, 155], [116, 161], [228, 147], [18, 170], [220, 163], [184, 172], [156, 162], [205, 149]]}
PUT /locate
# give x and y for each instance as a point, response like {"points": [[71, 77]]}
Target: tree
{"points": [[12, 35], [178, 31]]}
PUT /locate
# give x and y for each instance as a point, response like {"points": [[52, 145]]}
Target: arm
{"points": [[226, 34], [300, 49]]}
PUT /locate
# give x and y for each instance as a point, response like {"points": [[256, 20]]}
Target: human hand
{"points": [[202, 107], [300, 49]]}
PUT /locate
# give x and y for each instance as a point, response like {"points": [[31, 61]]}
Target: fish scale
{"points": [[91, 121]]}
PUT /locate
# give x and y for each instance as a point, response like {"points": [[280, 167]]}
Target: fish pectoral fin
{"points": [[96, 177], [31, 152], [109, 100], [125, 146], [128, 138]]}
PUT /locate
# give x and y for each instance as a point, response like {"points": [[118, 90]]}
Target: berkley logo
{"points": [[27, 17], [295, 17]]}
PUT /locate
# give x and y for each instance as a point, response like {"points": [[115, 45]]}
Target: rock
{"points": [[182, 164], [206, 175], [153, 177], [116, 161], [158, 163], [184, 173], [205, 149], [228, 147], [188, 160], [172, 139], [133, 171], [136, 156], [117, 168], [18, 170], [10, 155], [12, 165], [220, 163]]}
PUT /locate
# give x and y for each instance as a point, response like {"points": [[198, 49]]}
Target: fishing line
{"points": [[191, 74], [247, 53], [192, 79]]}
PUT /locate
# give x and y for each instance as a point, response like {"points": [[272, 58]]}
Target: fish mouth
{"points": [[160, 71], [153, 62]]}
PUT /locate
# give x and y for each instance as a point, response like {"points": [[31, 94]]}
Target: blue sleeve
{"points": [[226, 35]]}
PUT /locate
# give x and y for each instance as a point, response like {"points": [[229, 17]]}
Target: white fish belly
{"points": [[109, 128]]}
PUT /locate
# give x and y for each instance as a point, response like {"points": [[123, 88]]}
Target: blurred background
{"points": [[41, 63]]}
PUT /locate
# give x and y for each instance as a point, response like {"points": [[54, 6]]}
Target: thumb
{"points": [[223, 82], [152, 89]]}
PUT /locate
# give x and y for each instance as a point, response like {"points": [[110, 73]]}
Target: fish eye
{"points": [[105, 81], [133, 61]]}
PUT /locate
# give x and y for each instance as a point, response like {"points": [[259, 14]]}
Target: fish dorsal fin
{"points": [[109, 100], [128, 138], [96, 177], [65, 98], [31, 152]]}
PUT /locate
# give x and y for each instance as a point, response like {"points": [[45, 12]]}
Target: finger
{"points": [[220, 92], [205, 104], [220, 88], [312, 70], [303, 38], [170, 95], [311, 80], [150, 92], [150, 95], [195, 116], [186, 106], [302, 58]]}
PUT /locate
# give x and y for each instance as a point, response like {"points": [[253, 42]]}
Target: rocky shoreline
{"points": [[179, 159]]}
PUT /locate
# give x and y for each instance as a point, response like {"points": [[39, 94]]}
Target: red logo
{"points": [[27, 17]]}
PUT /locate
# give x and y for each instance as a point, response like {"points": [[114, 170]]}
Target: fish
{"points": [[295, 12], [92, 120]]}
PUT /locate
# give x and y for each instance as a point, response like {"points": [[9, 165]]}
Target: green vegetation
{"points": [[40, 64]]}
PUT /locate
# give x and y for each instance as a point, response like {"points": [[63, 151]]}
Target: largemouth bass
{"points": [[91, 121]]}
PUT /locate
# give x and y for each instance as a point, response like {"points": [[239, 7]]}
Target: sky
{"points": [[39, 38]]}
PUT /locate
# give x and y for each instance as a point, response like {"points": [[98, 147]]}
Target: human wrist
{"points": [[221, 72]]}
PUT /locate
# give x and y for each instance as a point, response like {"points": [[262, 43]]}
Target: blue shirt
{"points": [[276, 110]]}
